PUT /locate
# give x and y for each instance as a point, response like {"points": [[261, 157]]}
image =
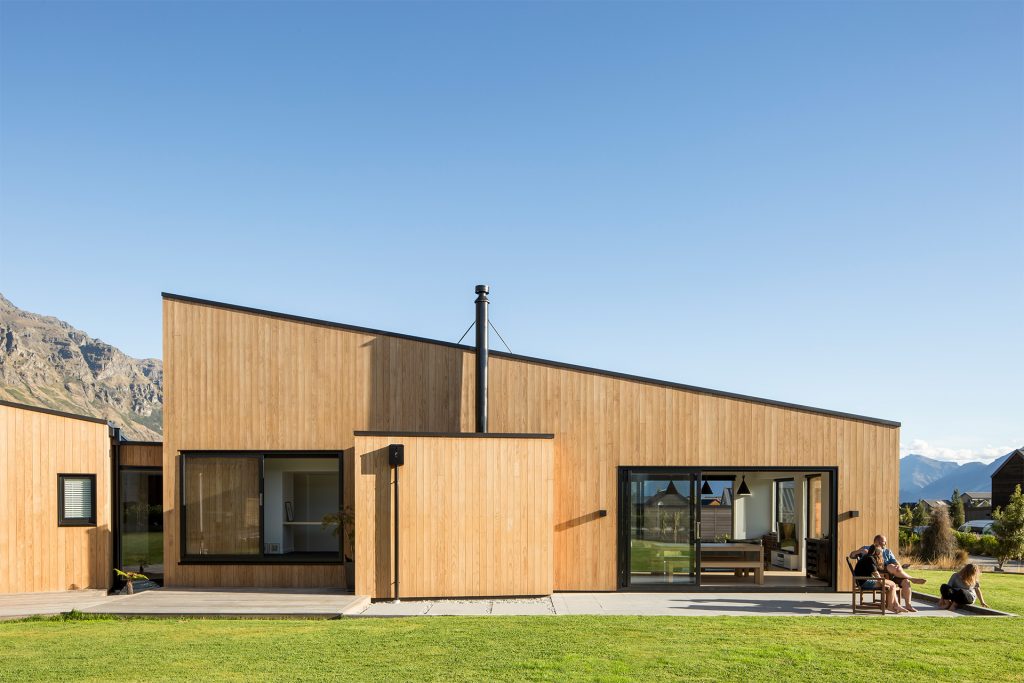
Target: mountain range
{"points": [[48, 363], [924, 477]]}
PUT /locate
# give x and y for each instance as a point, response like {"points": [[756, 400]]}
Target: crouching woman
{"points": [[963, 588]]}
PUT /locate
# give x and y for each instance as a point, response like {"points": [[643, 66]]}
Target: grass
{"points": [[515, 648], [142, 547], [1002, 591]]}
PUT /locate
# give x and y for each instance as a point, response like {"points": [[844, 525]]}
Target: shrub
{"points": [[938, 540], [961, 557], [908, 542], [1009, 529], [987, 545], [967, 541]]}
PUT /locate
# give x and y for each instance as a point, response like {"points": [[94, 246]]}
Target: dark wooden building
{"points": [[1009, 475]]}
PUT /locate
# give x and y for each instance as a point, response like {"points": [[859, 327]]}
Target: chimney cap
{"points": [[482, 289]]}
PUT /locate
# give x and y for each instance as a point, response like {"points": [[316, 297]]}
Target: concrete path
{"points": [[644, 604], [18, 605], [330, 604], [314, 603]]}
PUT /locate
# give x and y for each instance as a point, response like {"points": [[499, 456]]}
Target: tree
{"points": [[1009, 529], [920, 515], [956, 510], [906, 516], [938, 540]]}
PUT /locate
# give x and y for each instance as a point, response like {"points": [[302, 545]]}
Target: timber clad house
{"points": [[468, 472]]}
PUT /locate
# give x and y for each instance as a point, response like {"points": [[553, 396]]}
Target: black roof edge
{"points": [[58, 413], [538, 361], [130, 442], [457, 435]]}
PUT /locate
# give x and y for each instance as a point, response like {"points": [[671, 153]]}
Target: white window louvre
{"points": [[77, 498]]}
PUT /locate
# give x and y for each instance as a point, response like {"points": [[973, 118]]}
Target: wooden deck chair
{"points": [[877, 601]]}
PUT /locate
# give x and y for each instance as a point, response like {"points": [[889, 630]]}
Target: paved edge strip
{"points": [[976, 609]]}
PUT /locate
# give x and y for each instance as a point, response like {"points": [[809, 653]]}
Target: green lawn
{"points": [[1002, 591], [142, 547], [518, 648]]}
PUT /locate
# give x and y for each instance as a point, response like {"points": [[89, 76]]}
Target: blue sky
{"points": [[814, 202]]}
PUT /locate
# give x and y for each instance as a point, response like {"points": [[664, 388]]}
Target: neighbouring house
{"points": [[930, 504], [1005, 479], [468, 471], [977, 505]]}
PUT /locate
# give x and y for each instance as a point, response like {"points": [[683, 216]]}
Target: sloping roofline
{"points": [[530, 359], [50, 411], [1010, 456]]}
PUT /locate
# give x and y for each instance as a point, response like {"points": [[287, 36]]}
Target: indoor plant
{"points": [[344, 520]]}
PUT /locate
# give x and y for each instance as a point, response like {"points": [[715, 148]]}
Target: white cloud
{"points": [[959, 455]]}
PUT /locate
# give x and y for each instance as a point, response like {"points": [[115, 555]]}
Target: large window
{"points": [[76, 500], [259, 507]]}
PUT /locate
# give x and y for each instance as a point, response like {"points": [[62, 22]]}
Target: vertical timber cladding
{"points": [[246, 379], [475, 516], [135, 454], [35, 553]]}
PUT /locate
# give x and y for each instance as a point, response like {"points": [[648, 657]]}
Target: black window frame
{"points": [[260, 558], [807, 504], [62, 520]]}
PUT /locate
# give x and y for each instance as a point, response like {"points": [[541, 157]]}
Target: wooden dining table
{"points": [[741, 557]]}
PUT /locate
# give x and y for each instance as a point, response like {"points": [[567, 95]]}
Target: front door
{"points": [[661, 544]]}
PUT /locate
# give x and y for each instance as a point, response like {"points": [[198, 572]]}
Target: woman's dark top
{"points": [[865, 566]]}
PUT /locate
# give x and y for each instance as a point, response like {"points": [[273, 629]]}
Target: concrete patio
{"points": [[644, 604], [297, 603], [332, 604], [17, 605]]}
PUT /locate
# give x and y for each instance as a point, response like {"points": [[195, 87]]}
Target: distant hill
{"points": [[924, 477], [47, 362]]}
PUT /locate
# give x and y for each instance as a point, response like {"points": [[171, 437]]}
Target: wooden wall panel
{"points": [[35, 554], [476, 517], [141, 455], [247, 380]]}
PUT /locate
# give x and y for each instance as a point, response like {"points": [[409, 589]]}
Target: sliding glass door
{"points": [[141, 521], [662, 543]]}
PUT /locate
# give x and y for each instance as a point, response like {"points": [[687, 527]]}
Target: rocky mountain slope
{"points": [[47, 362]]}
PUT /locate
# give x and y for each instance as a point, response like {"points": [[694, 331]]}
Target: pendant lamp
{"points": [[705, 490], [743, 490]]}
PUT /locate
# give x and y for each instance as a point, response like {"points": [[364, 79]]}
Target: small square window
{"points": [[76, 500]]}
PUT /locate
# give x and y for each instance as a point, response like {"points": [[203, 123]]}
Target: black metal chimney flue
{"points": [[481, 358]]}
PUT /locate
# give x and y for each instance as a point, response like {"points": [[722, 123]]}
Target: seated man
{"points": [[892, 567]]}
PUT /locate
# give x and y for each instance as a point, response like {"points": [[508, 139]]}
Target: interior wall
{"points": [[753, 513], [279, 486]]}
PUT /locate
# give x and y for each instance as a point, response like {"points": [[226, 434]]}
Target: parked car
{"points": [[978, 526]]}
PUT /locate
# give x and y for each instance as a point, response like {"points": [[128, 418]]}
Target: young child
{"points": [[961, 588]]}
